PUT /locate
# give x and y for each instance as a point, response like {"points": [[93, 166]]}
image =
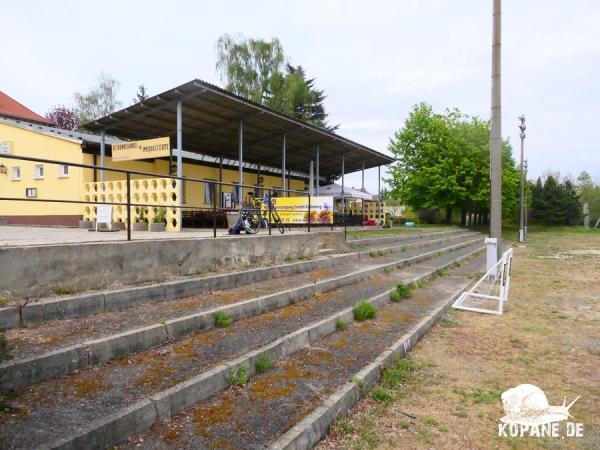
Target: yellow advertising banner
{"points": [[146, 149], [295, 209]]}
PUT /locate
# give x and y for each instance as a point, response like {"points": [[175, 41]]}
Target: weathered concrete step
{"points": [[315, 425], [26, 371], [40, 338], [326, 251], [409, 236], [90, 303], [252, 417], [109, 430]]}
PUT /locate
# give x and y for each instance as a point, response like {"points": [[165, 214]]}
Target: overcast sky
{"points": [[375, 59]]}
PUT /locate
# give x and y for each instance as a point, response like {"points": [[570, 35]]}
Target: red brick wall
{"points": [[65, 221]]}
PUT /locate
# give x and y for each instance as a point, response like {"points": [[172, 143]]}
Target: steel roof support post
{"points": [[241, 163], [343, 195], [318, 176], [180, 159], [311, 181], [363, 189], [379, 194], [102, 153], [220, 181], [284, 194]]}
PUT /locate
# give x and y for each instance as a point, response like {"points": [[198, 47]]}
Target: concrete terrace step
{"points": [[89, 303], [326, 251], [408, 236], [284, 408], [84, 352], [99, 407]]}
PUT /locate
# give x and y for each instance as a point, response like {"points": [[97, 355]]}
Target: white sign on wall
{"points": [[5, 147], [227, 199]]}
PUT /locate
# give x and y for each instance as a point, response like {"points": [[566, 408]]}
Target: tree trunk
{"points": [[449, 215], [463, 216]]}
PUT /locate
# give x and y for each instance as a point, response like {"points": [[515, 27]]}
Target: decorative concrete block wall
{"points": [[154, 191]]}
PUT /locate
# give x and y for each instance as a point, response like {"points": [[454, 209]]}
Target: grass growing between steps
{"points": [[401, 291], [264, 363], [363, 311], [398, 230], [548, 336], [222, 320]]}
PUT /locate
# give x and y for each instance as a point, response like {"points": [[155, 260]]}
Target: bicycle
{"points": [[255, 216]]}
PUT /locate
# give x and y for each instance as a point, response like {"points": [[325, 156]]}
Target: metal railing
{"points": [[213, 208]]}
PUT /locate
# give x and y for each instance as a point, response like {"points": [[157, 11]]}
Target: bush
{"points": [[340, 324], [363, 311], [222, 320], [238, 375], [401, 372], [160, 215], [409, 215], [264, 363], [402, 291], [381, 395]]}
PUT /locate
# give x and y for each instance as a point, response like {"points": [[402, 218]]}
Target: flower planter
{"points": [[118, 225], [158, 226], [86, 224], [140, 226]]}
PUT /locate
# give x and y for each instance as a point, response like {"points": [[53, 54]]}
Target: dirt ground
{"points": [[549, 336]]}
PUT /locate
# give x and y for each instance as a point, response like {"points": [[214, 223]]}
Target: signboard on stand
{"points": [[103, 215], [295, 209]]}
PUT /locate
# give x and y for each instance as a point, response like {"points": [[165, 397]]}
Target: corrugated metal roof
{"points": [[69, 135], [211, 118]]}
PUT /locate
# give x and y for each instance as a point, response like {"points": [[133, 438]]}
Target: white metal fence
{"points": [[491, 291]]}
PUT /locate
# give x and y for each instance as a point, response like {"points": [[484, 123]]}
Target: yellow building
{"points": [[35, 180]]}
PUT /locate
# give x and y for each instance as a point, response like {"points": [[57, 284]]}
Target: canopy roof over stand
{"points": [[205, 119]]}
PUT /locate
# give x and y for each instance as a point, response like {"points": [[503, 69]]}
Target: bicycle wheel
{"points": [[250, 223], [278, 222]]}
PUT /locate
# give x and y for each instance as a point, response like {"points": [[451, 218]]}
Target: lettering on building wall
{"points": [[145, 149]]}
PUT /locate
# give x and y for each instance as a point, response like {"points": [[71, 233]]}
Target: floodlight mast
{"points": [[496, 135]]}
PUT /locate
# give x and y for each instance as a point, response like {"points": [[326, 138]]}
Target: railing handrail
{"points": [[149, 174], [180, 205]]}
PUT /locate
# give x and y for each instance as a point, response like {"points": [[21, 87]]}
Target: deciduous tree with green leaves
{"points": [[443, 162], [99, 101], [258, 70]]}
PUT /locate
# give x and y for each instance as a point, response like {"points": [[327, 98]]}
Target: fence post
{"points": [[270, 215], [128, 206], [309, 213], [214, 211]]}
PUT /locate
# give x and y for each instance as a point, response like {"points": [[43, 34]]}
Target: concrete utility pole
{"points": [[496, 134], [525, 206], [522, 127]]}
